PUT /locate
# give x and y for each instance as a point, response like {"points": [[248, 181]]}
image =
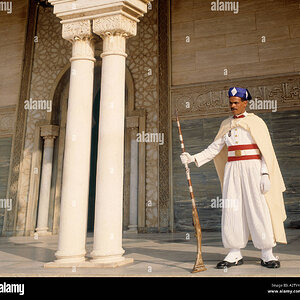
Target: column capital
{"points": [[114, 29], [49, 131], [132, 122], [79, 30], [117, 24], [80, 34]]}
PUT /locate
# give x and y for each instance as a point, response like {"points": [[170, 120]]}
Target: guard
{"points": [[250, 178]]}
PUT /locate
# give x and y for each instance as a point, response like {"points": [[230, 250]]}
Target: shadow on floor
{"points": [[25, 250]]}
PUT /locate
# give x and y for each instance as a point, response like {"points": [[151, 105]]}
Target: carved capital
{"points": [[82, 38], [115, 25], [49, 131], [77, 30], [114, 30]]}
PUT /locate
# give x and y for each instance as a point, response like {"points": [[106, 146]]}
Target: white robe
{"points": [[245, 211]]}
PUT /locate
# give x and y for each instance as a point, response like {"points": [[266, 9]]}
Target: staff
{"points": [[199, 265]]}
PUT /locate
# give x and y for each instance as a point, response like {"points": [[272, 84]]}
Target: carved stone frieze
{"points": [[212, 99]]}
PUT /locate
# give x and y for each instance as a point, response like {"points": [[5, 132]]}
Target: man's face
{"points": [[237, 106]]}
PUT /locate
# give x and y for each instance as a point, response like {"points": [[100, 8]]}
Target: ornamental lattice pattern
{"points": [[142, 62]]}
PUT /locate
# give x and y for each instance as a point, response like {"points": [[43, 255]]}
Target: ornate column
{"points": [[49, 133], [75, 183], [113, 30]]}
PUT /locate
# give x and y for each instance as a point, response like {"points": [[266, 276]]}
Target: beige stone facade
{"points": [[260, 40]]}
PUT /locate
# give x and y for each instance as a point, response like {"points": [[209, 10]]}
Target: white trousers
{"points": [[245, 211]]}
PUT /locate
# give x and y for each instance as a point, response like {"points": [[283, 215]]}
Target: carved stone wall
{"points": [[142, 62], [208, 100], [165, 213]]}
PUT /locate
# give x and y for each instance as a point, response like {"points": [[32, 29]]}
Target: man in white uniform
{"points": [[246, 179]]}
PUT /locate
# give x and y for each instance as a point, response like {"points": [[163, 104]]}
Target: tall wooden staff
{"points": [[199, 265]]}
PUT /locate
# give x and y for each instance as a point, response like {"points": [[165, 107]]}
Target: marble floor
{"points": [[155, 254]]}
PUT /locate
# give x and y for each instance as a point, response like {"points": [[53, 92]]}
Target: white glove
{"points": [[187, 158], [265, 184]]}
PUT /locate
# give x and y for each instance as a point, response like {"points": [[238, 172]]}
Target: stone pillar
{"points": [[109, 183], [132, 124], [75, 183], [49, 133], [133, 182]]}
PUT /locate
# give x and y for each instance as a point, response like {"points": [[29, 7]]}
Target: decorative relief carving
{"points": [[206, 100], [142, 51], [113, 44], [81, 30], [115, 24], [164, 194]]}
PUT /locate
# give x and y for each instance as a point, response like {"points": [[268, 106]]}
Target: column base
{"points": [[90, 264], [42, 233], [132, 229], [69, 258]]}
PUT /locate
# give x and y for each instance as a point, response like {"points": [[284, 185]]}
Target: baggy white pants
{"points": [[245, 210]]}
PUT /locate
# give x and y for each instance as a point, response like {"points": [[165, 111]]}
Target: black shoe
{"points": [[226, 264], [273, 264]]}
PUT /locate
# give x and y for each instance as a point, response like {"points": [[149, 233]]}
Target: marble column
{"points": [[48, 133], [109, 183], [133, 203], [76, 167]]}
